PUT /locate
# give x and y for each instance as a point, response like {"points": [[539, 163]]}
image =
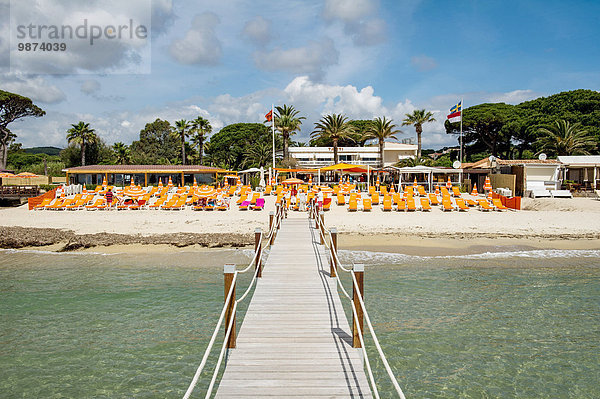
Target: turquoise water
{"points": [[521, 325]]}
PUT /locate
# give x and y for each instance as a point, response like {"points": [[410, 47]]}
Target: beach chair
{"points": [[401, 205], [259, 205], [231, 191], [425, 205], [41, 206], [395, 198], [255, 196], [484, 205], [352, 205], [95, 205], [327, 203], [179, 204], [421, 191], [198, 207], [387, 203], [210, 205], [341, 200], [367, 205], [268, 190], [56, 204], [223, 206], [375, 199], [77, 205], [372, 190], [279, 190], [498, 204], [456, 191], [470, 202], [65, 204], [158, 203], [447, 204], [243, 198], [462, 206], [383, 190], [244, 205], [410, 204], [433, 199]]}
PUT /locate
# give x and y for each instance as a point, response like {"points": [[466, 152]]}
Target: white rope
{"points": [[376, 341], [364, 350], [251, 283], [223, 348], [212, 341]]}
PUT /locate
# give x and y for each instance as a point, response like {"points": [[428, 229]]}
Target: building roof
{"points": [[133, 169], [485, 163], [580, 160], [366, 149]]}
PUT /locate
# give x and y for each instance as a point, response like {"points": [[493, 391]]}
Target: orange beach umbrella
{"points": [[449, 183], [474, 192], [292, 180], [415, 183], [488, 184]]}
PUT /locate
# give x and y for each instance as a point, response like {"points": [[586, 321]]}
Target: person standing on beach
{"points": [[109, 197], [319, 200]]}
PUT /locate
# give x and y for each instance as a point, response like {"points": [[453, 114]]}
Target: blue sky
{"points": [[229, 60]]}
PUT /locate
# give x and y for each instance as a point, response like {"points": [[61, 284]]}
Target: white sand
{"points": [[556, 217]]}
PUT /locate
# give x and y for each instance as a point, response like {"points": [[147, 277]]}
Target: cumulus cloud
{"points": [[512, 97], [423, 63], [311, 59], [90, 86], [36, 88], [357, 17], [348, 10], [258, 31], [200, 44], [162, 16]]}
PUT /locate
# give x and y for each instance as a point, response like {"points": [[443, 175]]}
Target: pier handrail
{"points": [[327, 240], [256, 261]]}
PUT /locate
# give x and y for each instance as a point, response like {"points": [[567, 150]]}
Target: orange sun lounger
{"points": [[447, 204], [341, 200], [352, 206], [375, 199], [461, 205], [367, 205], [425, 205], [387, 203], [498, 204], [433, 199], [410, 204], [402, 205], [484, 205], [455, 191]]}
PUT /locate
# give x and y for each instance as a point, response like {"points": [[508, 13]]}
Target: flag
{"points": [[269, 116], [455, 113]]}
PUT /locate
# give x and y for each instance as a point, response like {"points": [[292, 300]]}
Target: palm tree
{"points": [[182, 130], [417, 119], [81, 134], [333, 127], [122, 153], [287, 122], [260, 154], [412, 162], [200, 128], [565, 139], [382, 129]]}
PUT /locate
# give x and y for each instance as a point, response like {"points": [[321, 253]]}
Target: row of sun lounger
{"points": [[411, 204]]}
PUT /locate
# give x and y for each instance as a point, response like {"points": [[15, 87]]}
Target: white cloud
{"points": [[369, 32], [258, 30], [200, 44], [35, 88], [90, 86], [512, 97], [311, 59], [423, 63], [348, 10]]}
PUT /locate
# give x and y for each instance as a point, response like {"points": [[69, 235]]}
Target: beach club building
{"points": [[144, 175], [318, 157], [582, 170]]}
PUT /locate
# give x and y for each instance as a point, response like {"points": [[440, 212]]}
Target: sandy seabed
{"points": [[543, 223]]}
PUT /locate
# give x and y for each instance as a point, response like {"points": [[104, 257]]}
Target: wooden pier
{"points": [[295, 340]]}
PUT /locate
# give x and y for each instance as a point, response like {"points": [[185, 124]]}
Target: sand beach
{"points": [[542, 223]]}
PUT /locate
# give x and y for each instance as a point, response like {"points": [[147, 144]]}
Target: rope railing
{"points": [[230, 303], [328, 241]]}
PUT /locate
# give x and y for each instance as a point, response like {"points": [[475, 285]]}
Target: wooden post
{"points": [[146, 179], [271, 221], [359, 271], [229, 272], [258, 250], [333, 263], [322, 228]]}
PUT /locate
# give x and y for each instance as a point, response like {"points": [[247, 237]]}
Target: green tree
{"points": [[259, 154], [565, 139], [333, 127], [182, 129], [359, 137], [96, 153], [287, 122], [418, 118], [201, 128], [12, 108], [227, 148], [156, 146], [122, 153], [412, 162], [81, 134], [382, 129]]}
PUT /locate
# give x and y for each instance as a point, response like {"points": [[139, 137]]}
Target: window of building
{"points": [[345, 158]]}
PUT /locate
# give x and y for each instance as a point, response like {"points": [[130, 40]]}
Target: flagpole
{"points": [[273, 131], [461, 131]]}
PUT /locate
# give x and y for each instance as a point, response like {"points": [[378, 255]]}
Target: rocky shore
{"points": [[21, 237]]}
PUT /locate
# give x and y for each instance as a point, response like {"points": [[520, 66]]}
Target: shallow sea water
{"points": [[522, 324]]}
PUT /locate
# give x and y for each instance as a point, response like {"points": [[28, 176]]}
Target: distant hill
{"points": [[43, 150]]}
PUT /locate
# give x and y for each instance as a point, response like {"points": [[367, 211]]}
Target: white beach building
{"points": [[318, 157]]}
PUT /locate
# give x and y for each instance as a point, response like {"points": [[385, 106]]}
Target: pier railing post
{"points": [[271, 221], [322, 226], [359, 271], [333, 262], [258, 251], [228, 273]]}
